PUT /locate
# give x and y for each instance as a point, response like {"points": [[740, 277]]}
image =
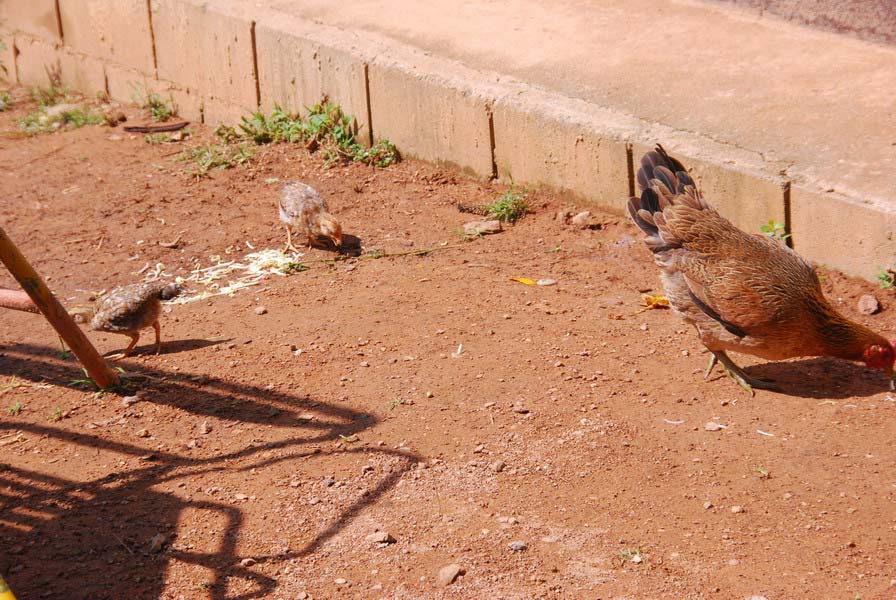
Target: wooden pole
{"points": [[54, 312]]}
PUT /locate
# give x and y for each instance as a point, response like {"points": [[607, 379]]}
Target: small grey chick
{"points": [[300, 206], [128, 309]]}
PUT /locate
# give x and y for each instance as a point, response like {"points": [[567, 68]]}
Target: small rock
{"points": [[115, 138], [144, 433], [713, 426], [114, 117], [129, 400], [733, 562], [365, 364], [340, 581], [546, 282], [517, 408], [156, 542], [758, 598], [517, 546], [448, 574], [380, 538], [260, 310], [497, 466], [205, 428], [582, 219], [707, 505], [247, 562], [302, 596], [240, 497], [637, 559], [737, 509], [482, 227], [868, 305]]}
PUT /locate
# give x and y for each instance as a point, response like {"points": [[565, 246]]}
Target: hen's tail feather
{"points": [[664, 182]]}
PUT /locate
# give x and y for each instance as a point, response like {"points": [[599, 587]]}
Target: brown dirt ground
{"points": [[612, 456]]}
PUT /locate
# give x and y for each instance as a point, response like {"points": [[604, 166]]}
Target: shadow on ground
{"points": [[65, 538], [823, 378]]}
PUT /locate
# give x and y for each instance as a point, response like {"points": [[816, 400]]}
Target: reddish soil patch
{"points": [[568, 422]]}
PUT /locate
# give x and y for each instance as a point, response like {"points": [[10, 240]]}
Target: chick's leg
{"points": [[127, 351], [289, 245], [738, 374], [158, 336]]}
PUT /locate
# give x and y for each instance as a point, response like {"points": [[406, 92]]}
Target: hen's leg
{"points": [[738, 375], [158, 336], [127, 351]]}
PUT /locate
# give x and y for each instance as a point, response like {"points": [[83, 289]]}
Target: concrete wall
{"points": [[866, 19], [222, 59]]}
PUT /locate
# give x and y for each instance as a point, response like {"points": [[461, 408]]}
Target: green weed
{"points": [[48, 119], [886, 278], [15, 408], [510, 207], [776, 230], [5, 100], [325, 127], [158, 108], [213, 157]]}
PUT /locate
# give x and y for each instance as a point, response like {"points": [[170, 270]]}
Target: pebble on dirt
{"points": [[737, 509], [247, 562], [517, 546], [448, 574], [482, 227], [380, 539], [713, 426], [260, 310], [868, 305]]}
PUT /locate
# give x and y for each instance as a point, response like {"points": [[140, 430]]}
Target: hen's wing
{"points": [[745, 282]]}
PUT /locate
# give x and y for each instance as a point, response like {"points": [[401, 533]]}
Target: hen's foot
{"points": [[739, 376]]}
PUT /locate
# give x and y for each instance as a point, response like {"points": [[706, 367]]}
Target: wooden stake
{"points": [[56, 314]]}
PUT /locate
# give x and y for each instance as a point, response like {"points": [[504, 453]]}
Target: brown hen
{"points": [[129, 309], [743, 292], [300, 206]]}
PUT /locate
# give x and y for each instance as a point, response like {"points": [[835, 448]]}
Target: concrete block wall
{"points": [[219, 60]]}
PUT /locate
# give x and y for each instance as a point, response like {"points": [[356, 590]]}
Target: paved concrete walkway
{"points": [[820, 106]]}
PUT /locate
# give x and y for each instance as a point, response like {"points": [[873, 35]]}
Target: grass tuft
{"points": [[48, 119], [510, 207], [886, 278], [155, 105], [325, 127], [214, 157]]}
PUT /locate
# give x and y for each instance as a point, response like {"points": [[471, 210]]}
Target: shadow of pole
{"points": [[89, 538]]}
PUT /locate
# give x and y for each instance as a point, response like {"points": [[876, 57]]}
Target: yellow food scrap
{"points": [[524, 280], [651, 301]]}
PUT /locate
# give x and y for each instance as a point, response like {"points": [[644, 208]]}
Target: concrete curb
{"points": [[220, 60]]}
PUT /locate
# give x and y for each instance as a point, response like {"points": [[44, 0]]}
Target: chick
{"points": [[128, 309], [300, 206]]}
